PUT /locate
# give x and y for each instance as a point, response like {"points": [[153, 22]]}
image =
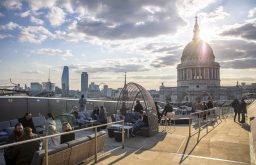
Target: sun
{"points": [[207, 33]]}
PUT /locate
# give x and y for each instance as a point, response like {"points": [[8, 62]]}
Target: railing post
{"points": [[46, 150], [190, 126], [207, 121], [123, 135], [96, 144]]}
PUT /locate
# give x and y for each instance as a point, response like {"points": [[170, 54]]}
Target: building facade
{"points": [[65, 82], [84, 84], [198, 75]]}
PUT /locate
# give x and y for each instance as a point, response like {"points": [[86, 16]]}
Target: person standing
{"points": [[158, 113], [82, 103], [209, 104], [167, 108], [235, 104], [243, 110]]}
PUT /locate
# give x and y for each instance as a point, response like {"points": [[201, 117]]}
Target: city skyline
{"points": [[106, 39]]}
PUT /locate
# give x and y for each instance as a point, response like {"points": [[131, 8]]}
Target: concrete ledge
{"points": [[251, 112]]}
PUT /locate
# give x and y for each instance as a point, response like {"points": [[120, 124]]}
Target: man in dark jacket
{"points": [[236, 105], [209, 104], [243, 110], [25, 152], [10, 153], [138, 107], [167, 108], [26, 121]]}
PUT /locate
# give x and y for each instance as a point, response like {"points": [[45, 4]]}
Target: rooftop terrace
{"points": [[226, 143]]}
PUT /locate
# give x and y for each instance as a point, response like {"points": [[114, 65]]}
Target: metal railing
{"points": [[45, 139], [204, 118]]}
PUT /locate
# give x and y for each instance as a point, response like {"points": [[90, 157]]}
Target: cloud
{"points": [[3, 36], [34, 34], [217, 14], [1, 14], [53, 52], [33, 72], [127, 20], [155, 77], [113, 65], [36, 20], [9, 26], [12, 4], [234, 53], [56, 16], [37, 5], [246, 30], [25, 14], [190, 7], [240, 63], [164, 61], [252, 13]]}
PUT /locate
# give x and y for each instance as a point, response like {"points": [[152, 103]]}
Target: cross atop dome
{"points": [[196, 31]]}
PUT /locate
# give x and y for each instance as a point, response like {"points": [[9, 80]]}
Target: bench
{"points": [[73, 152]]}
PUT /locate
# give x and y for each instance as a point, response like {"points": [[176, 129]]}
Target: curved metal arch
{"points": [[133, 91]]}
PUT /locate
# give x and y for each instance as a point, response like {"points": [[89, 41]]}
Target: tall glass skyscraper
{"points": [[84, 84], [65, 81]]}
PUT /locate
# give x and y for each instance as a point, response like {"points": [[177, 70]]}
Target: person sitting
{"points": [[138, 107], [66, 127], [25, 152], [167, 108], [10, 152], [102, 118], [51, 127], [141, 122], [95, 113], [83, 117], [26, 121]]}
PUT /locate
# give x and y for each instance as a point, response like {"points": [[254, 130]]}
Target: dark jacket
{"points": [[25, 152], [209, 105], [138, 108], [67, 138], [28, 123], [243, 106], [102, 118], [236, 105], [10, 153], [145, 120]]}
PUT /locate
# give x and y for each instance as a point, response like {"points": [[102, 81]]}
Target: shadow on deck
{"points": [[228, 143]]}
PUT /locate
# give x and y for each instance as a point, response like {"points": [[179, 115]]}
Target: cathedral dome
{"points": [[197, 50]]}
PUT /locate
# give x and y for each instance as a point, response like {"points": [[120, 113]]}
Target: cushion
{"points": [[4, 125], [38, 121], [77, 141], [13, 122], [39, 155], [92, 136]]}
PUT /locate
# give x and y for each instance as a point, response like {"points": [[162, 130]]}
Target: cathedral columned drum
{"points": [[198, 75]]}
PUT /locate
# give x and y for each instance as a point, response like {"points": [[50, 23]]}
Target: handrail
{"points": [[54, 135], [218, 112], [45, 138]]}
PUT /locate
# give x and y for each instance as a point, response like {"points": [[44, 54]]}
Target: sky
{"points": [[106, 38]]}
